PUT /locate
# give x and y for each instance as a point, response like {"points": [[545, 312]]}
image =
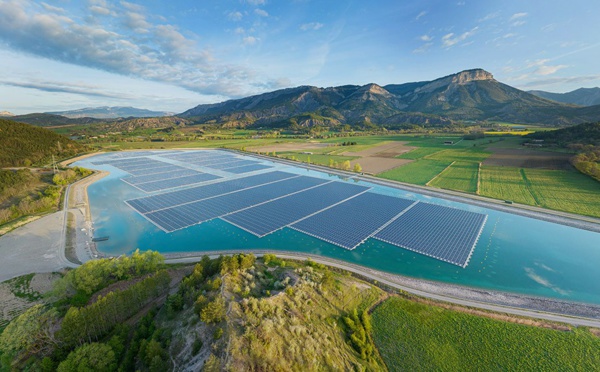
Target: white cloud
{"points": [[235, 16], [99, 10], [256, 2], [163, 55], [312, 26], [250, 40], [239, 30], [261, 12], [420, 15], [449, 40], [426, 38], [53, 9], [549, 70], [423, 48], [517, 16]]}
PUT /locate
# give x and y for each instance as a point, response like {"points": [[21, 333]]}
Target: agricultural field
{"points": [[505, 183], [413, 336], [318, 159], [418, 172], [568, 191], [460, 176]]}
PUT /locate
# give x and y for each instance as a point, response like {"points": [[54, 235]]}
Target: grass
{"points": [[413, 336], [418, 172], [460, 176], [21, 287], [568, 191], [419, 152], [469, 154], [505, 183]]}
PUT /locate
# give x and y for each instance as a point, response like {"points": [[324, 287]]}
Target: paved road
{"points": [[382, 278]]}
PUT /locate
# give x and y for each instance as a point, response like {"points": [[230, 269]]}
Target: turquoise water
{"points": [[514, 253]]}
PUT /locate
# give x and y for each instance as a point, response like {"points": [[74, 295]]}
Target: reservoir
{"points": [[513, 254]]}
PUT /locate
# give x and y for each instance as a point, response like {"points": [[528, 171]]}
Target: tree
{"points": [[346, 165], [90, 357], [213, 364], [30, 333], [331, 163], [357, 168], [214, 312]]}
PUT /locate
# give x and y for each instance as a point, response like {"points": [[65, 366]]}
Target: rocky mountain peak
{"points": [[6, 113], [466, 76]]}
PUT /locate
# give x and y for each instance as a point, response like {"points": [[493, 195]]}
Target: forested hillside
{"points": [[25, 145], [583, 138]]}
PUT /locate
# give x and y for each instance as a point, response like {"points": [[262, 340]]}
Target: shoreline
{"points": [[420, 287]]}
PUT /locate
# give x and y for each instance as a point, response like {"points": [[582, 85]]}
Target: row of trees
{"points": [[360, 333], [588, 162], [97, 274], [89, 323]]}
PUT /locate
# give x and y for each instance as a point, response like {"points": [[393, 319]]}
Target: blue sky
{"points": [[172, 55]]}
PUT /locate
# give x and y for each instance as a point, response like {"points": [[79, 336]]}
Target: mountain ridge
{"points": [[469, 95], [581, 96], [110, 112]]}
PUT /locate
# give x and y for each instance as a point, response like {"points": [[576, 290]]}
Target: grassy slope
{"points": [[413, 336]]}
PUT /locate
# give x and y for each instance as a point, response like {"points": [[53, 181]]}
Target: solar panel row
{"points": [[186, 215], [179, 197], [274, 215], [350, 223], [176, 182], [136, 180], [447, 234]]}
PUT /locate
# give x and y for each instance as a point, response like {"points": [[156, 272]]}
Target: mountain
{"points": [[107, 112], [581, 96], [48, 120], [6, 113], [24, 144], [466, 96]]}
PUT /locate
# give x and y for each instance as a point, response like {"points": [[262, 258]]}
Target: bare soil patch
{"points": [[375, 165], [43, 282], [381, 158], [289, 146], [385, 150], [527, 158]]}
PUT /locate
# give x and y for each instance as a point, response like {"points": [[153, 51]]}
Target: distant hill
{"points": [[6, 113], [107, 112], [584, 134], [24, 144], [581, 96], [155, 123], [470, 95], [49, 120]]}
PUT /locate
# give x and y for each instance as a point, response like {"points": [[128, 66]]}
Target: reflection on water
{"points": [[514, 253]]}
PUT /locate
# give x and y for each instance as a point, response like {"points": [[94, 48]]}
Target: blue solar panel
{"points": [[247, 168], [350, 223], [178, 172], [444, 233], [185, 215], [176, 182], [233, 164], [151, 170], [272, 216], [174, 198]]}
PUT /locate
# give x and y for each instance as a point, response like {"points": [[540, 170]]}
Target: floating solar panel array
{"points": [[341, 213], [277, 214], [351, 223], [447, 234], [219, 160], [150, 175], [186, 215]]}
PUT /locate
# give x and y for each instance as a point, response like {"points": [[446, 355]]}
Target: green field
{"points": [[418, 172], [413, 336], [460, 176], [568, 191], [504, 183]]}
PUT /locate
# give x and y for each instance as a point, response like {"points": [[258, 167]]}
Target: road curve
{"points": [[376, 275]]}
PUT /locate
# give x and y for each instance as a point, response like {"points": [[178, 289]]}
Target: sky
{"points": [[173, 55]]}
